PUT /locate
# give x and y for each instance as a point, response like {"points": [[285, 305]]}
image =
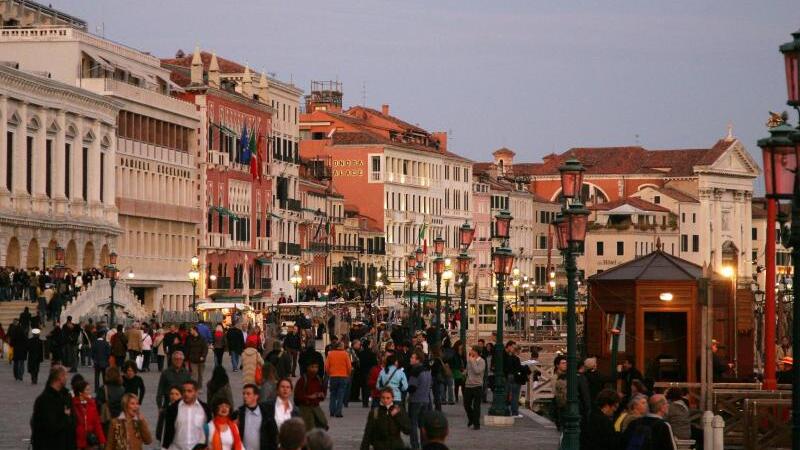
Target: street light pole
{"points": [[465, 236], [503, 261]]}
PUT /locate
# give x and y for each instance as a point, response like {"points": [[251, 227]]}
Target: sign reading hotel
{"points": [[348, 167]]}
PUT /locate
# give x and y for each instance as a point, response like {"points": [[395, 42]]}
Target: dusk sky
{"points": [[535, 76]]}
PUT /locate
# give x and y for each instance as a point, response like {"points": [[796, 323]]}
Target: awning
{"points": [[263, 261], [275, 216], [98, 61], [224, 211]]}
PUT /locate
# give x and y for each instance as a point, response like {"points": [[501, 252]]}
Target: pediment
{"points": [[737, 160]]}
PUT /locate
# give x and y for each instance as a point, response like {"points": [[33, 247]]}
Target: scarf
{"points": [[216, 440]]}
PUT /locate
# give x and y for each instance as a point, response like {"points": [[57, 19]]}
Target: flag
{"points": [[245, 146], [421, 238], [255, 162]]}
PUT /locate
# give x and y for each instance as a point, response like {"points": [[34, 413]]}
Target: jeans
{"points": [[449, 385], [218, 354], [438, 395], [19, 369], [235, 361], [99, 373], [347, 391], [415, 412], [472, 405], [338, 387], [146, 360], [160, 362], [197, 371], [294, 354], [513, 392]]}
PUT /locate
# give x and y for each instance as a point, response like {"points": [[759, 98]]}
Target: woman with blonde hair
{"points": [[129, 431]]}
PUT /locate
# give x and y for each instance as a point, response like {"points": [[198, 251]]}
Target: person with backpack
{"points": [[386, 423], [394, 377], [650, 432]]}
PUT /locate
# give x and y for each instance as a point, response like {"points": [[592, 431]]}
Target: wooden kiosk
{"points": [[656, 302]]}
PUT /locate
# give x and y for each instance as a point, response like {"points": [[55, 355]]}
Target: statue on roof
{"points": [[777, 119]]}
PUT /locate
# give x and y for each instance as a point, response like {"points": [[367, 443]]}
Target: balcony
{"points": [[408, 180], [347, 248], [220, 283], [264, 244], [217, 158], [286, 158], [218, 240], [127, 91], [318, 247], [291, 205], [264, 284], [288, 248]]}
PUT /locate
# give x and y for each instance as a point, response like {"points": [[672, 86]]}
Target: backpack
{"points": [[641, 437]]}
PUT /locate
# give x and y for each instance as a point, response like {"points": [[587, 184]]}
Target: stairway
{"points": [[93, 302], [11, 310]]}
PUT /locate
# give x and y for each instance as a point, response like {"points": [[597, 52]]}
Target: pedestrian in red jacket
{"points": [[308, 393], [372, 381], [88, 430]]}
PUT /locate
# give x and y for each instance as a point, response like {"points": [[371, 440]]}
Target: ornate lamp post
{"points": [[503, 261], [447, 276], [525, 289], [465, 236], [296, 279], [111, 273], [420, 276], [781, 151], [194, 275], [515, 281], [438, 270], [571, 232]]}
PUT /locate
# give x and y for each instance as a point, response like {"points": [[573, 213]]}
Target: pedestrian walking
{"points": [[309, 355], [197, 350], [393, 376], [599, 432], [175, 375], [420, 384], [119, 346], [19, 344], [173, 396], [283, 408], [281, 360], [473, 387], [256, 422], [367, 361], [516, 376], [147, 350], [35, 355], [129, 431], [218, 343], [109, 397], [219, 386], [251, 361], [158, 348], [101, 354], [339, 368], [235, 340], [185, 420], [269, 387], [318, 439], [222, 431], [292, 343], [88, 429], [386, 423], [52, 425], [308, 393], [132, 382]]}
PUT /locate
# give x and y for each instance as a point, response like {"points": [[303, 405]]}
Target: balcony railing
{"points": [[287, 248], [265, 283], [392, 177], [291, 204]]}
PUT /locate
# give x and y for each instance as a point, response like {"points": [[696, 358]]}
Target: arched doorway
{"points": [[730, 256], [88, 255], [50, 255], [32, 261], [12, 253], [104, 260], [71, 256]]}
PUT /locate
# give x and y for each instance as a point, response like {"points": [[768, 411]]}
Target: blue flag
{"points": [[245, 146]]}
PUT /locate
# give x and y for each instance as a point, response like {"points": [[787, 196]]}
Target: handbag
{"points": [[259, 376]]}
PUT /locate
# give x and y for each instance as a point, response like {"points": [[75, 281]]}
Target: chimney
{"points": [[213, 71], [247, 83], [441, 138], [263, 89], [197, 67], [385, 109]]}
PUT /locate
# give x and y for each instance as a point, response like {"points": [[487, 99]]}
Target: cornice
{"points": [[58, 224]]}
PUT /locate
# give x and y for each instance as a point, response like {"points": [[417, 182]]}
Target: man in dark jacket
{"points": [[101, 352], [309, 355], [235, 339], [52, 424], [599, 433], [292, 343], [367, 360], [18, 339], [650, 432], [174, 375], [255, 413], [35, 355], [385, 424], [196, 415]]}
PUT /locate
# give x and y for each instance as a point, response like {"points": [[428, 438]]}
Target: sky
{"points": [[534, 76]]}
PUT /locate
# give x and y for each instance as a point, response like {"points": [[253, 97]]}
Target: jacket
{"points": [[169, 377], [338, 364], [475, 372], [235, 339], [678, 418], [134, 338], [111, 394], [196, 349], [269, 429], [383, 431], [51, 428], [119, 344], [599, 433], [250, 359], [87, 420], [305, 390], [420, 382], [653, 432], [118, 438], [101, 351], [282, 361], [395, 378], [171, 416]]}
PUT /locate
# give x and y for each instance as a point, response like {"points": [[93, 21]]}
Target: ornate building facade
{"points": [[57, 168]]}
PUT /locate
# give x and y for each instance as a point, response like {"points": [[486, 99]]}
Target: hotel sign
{"points": [[348, 167]]}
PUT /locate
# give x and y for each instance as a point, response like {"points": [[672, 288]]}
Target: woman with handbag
{"points": [[129, 430], [109, 398], [88, 430]]}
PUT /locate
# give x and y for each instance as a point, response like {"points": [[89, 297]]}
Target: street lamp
{"points": [[447, 276], [438, 270], [420, 275], [571, 232], [525, 290], [503, 261], [465, 236], [194, 275], [111, 273]]}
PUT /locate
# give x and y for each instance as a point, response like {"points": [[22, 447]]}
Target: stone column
{"points": [[76, 190], [39, 158], [110, 167], [58, 161], [94, 167], [3, 150], [716, 245], [20, 162]]}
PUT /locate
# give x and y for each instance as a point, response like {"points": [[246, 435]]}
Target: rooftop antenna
{"points": [[363, 93], [636, 138]]}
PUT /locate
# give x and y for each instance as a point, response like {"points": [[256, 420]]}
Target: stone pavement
{"points": [[16, 406]]}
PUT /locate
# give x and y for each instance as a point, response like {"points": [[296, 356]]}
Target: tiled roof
{"points": [[630, 160], [389, 117], [678, 195], [503, 151], [479, 167], [225, 65], [636, 202]]}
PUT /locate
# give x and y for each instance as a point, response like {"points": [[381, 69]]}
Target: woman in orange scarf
{"points": [[222, 431]]}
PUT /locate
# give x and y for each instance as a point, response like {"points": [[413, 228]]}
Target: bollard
{"points": [[719, 429], [708, 431]]}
